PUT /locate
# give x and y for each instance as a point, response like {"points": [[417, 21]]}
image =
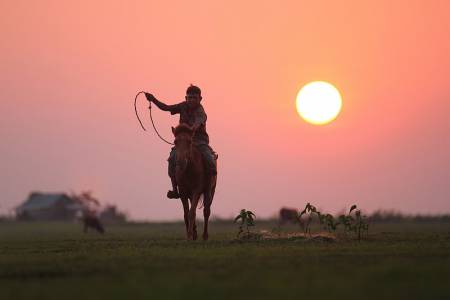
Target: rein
{"points": [[151, 118]]}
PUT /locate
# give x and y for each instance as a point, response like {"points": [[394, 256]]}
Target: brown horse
{"points": [[193, 181], [90, 220]]}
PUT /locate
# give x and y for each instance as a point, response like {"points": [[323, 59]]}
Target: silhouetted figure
{"points": [[191, 114], [90, 220], [193, 180]]}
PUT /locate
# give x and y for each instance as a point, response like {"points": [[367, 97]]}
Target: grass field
{"points": [[152, 261]]}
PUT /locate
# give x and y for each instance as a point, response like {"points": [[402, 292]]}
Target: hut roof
{"points": [[41, 201]]}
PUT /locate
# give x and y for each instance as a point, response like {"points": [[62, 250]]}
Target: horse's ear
{"points": [[173, 130]]}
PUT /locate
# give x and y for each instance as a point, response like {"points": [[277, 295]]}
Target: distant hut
{"points": [[48, 207], [289, 215]]}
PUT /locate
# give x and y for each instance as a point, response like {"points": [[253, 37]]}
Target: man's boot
{"points": [[173, 194]]}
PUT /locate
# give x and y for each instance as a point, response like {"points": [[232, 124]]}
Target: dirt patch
{"points": [[298, 236], [266, 235]]}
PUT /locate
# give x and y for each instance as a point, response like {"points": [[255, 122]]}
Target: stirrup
{"points": [[173, 195]]}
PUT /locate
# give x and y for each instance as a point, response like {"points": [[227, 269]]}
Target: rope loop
{"points": [[151, 118]]}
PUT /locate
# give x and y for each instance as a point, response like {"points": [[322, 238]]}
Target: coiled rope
{"points": [[151, 118]]}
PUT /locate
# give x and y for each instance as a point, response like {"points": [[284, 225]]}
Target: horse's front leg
{"points": [[185, 203], [192, 231]]}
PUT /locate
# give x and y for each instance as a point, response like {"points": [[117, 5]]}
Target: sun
{"points": [[319, 102]]}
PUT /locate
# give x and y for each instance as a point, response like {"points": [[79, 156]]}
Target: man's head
{"points": [[193, 95]]}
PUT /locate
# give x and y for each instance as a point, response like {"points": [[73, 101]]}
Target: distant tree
{"points": [[86, 199]]}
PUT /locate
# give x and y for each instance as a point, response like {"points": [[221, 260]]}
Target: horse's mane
{"points": [[182, 128]]}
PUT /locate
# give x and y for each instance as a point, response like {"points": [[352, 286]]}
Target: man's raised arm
{"points": [[159, 104]]}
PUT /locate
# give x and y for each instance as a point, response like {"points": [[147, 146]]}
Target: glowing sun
{"points": [[319, 102]]}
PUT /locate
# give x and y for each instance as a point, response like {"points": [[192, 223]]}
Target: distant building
{"points": [[49, 207]]}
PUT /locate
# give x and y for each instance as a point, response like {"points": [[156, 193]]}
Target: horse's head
{"points": [[183, 143]]}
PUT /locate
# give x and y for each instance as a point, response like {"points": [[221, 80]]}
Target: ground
{"points": [[152, 261]]}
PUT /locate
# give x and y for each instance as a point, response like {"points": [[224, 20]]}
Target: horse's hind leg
{"points": [[185, 203], [206, 214], [192, 230], [207, 201]]}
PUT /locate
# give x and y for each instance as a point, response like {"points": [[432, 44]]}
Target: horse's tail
{"points": [[200, 201], [212, 190]]}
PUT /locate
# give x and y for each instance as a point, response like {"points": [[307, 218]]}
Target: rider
{"points": [[191, 113]]}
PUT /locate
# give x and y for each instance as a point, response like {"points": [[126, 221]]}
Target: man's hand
{"points": [[150, 97]]}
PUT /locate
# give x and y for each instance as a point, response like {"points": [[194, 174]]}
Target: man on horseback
{"points": [[191, 113]]}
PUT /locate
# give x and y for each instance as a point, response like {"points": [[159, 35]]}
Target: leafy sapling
{"points": [[245, 219], [357, 223], [361, 224], [329, 222], [347, 220], [309, 210]]}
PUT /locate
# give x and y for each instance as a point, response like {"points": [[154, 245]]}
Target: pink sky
{"points": [[70, 73]]}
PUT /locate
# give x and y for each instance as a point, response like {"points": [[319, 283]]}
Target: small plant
{"points": [[328, 221], [246, 219], [309, 210], [361, 224], [347, 220], [357, 224]]}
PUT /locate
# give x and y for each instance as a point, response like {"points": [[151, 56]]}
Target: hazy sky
{"points": [[70, 71]]}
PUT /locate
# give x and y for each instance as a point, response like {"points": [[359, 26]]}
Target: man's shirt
{"points": [[195, 116]]}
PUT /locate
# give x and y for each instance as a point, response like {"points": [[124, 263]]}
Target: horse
{"points": [[289, 215], [193, 180], [91, 220]]}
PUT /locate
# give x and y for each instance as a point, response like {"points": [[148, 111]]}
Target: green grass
{"points": [[151, 261]]}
